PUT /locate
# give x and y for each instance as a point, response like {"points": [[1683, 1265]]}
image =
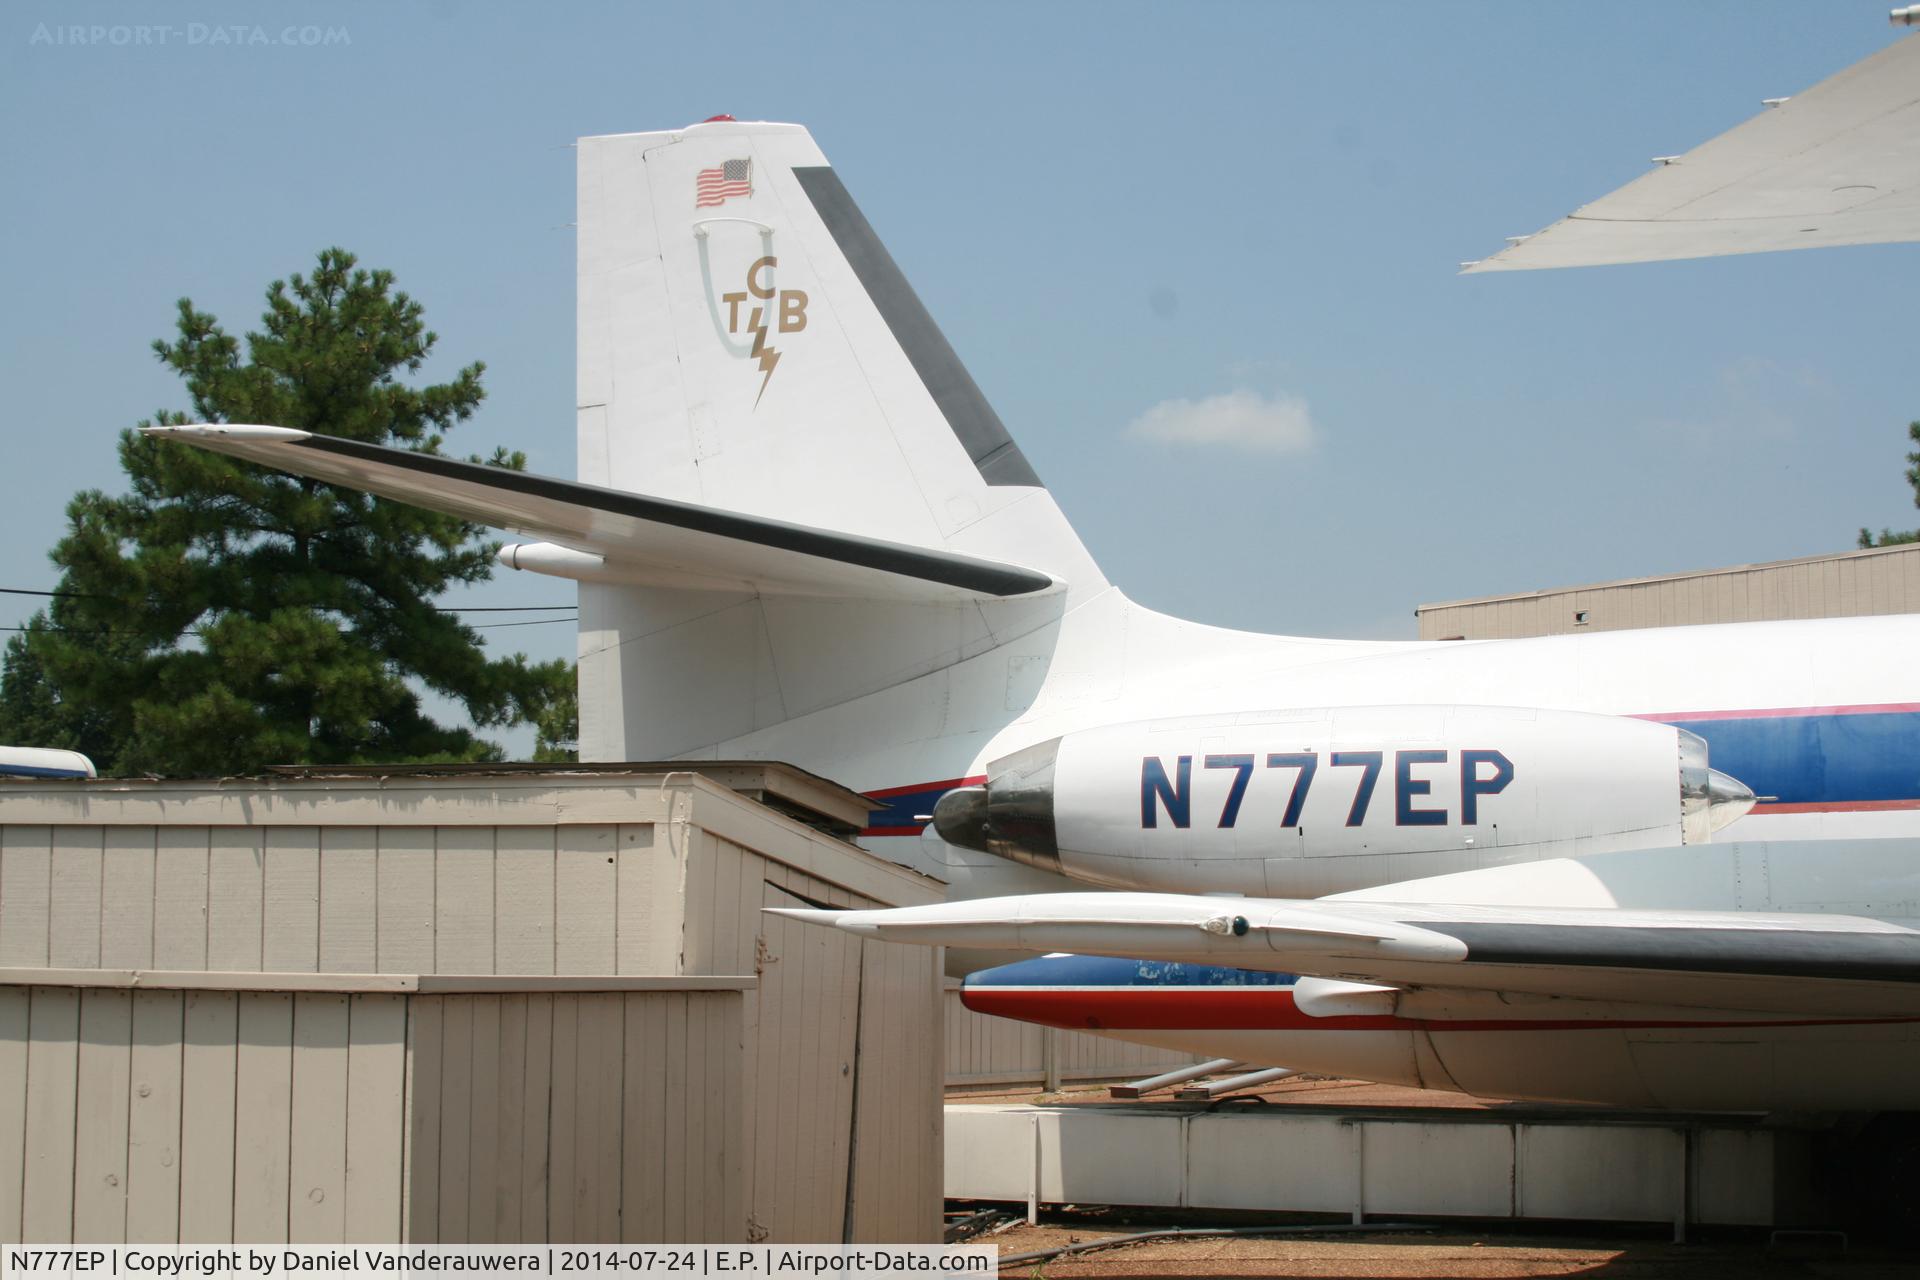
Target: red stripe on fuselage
{"points": [[1273, 1009], [1766, 713], [888, 792]]}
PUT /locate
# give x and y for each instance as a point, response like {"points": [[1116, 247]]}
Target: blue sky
{"points": [[1107, 206]]}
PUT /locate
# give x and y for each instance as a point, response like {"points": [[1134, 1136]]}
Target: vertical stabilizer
{"points": [[747, 343]]}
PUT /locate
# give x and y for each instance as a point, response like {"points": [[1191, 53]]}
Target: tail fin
{"points": [[747, 343], [793, 500]]}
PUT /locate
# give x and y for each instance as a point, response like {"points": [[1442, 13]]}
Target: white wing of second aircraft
{"points": [[1837, 164], [1832, 965]]}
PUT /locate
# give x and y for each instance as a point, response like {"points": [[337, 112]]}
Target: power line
{"points": [[443, 608], [196, 631]]}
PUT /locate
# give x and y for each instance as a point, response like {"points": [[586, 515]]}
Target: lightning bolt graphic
{"points": [[767, 356]]}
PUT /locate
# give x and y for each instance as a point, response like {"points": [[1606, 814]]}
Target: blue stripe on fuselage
{"points": [[1106, 971], [1822, 758]]}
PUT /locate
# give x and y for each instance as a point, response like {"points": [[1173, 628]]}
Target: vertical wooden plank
{"points": [[53, 1054], [673, 1206], [235, 874], [263, 1094], [153, 1116], [26, 893], [376, 1116], [523, 907], [126, 898], [317, 1146], [74, 941], [867, 1160], [643, 1173], [585, 900], [604, 1128], [535, 1170], [406, 901], [562, 1217], [291, 898], [642, 876], [100, 1118], [463, 899], [208, 1068], [456, 1118], [696, 1156], [14, 1009], [426, 1016], [349, 896], [732, 1224], [707, 1160], [504, 1176], [770, 1111], [483, 1150], [731, 910], [180, 897], [696, 904], [818, 1153]]}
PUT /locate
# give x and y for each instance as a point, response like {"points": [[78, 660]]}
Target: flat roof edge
{"points": [[1542, 593]]}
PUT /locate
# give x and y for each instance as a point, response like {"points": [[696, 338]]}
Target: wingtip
{"points": [[227, 430], [845, 920]]}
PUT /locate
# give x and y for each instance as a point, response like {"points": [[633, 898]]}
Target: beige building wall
{"points": [[159, 1107], [833, 1063], [1879, 580]]}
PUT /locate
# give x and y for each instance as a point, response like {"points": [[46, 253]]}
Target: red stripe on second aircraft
{"points": [[1273, 1009], [1833, 806], [888, 792]]}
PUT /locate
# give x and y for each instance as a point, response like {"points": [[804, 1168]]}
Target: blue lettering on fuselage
{"points": [[1483, 772]]}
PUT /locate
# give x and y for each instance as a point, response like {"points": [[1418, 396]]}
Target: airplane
{"points": [[800, 532], [43, 762]]}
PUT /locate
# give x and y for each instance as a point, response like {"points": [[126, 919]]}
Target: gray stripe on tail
{"points": [[974, 423]]}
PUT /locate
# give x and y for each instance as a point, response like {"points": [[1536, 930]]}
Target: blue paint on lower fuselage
{"points": [[1817, 759], [1106, 971]]}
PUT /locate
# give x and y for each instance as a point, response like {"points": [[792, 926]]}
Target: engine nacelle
{"points": [[1315, 801]]}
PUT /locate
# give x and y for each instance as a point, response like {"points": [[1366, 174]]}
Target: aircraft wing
{"points": [[653, 540], [1836, 164], [1835, 966]]}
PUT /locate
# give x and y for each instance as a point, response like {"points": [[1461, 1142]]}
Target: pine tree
{"points": [[222, 617], [1887, 537]]}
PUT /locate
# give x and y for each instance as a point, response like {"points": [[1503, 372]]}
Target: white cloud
{"points": [[1243, 420]]}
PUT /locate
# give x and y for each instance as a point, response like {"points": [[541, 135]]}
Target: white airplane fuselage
{"points": [[1821, 719]]}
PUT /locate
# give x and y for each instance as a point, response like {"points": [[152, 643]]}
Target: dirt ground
{"points": [[1449, 1253]]}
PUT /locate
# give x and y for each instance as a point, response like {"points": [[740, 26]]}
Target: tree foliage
{"points": [[1887, 537], [222, 617]]}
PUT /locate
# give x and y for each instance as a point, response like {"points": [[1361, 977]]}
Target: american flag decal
{"points": [[717, 186]]}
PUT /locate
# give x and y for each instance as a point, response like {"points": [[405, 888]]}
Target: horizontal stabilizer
{"points": [[655, 541]]}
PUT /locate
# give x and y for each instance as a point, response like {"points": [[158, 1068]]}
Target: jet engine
{"points": [[1308, 802]]}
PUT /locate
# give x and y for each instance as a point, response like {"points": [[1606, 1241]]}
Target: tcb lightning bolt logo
{"points": [[784, 311]]}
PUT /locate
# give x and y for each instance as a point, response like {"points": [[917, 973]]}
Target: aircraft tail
{"points": [[746, 343], [792, 500]]}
